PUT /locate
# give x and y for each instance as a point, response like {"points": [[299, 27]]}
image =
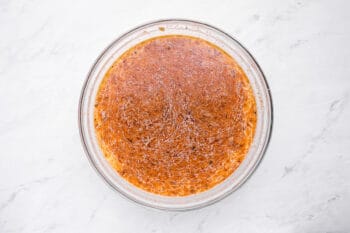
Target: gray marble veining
{"points": [[302, 184]]}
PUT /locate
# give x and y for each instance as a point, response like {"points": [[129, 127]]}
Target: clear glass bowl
{"points": [[179, 27]]}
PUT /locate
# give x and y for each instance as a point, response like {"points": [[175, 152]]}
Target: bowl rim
{"points": [[145, 204]]}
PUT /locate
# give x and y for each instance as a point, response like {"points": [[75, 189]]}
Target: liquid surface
{"points": [[175, 115]]}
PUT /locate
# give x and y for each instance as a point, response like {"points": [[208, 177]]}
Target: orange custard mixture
{"points": [[175, 115]]}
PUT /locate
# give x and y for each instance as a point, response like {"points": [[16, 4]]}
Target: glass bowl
{"points": [[178, 27]]}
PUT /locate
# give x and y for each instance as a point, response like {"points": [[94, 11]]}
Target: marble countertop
{"points": [[46, 182]]}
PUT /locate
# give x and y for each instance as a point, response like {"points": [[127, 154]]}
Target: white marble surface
{"points": [[46, 182]]}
